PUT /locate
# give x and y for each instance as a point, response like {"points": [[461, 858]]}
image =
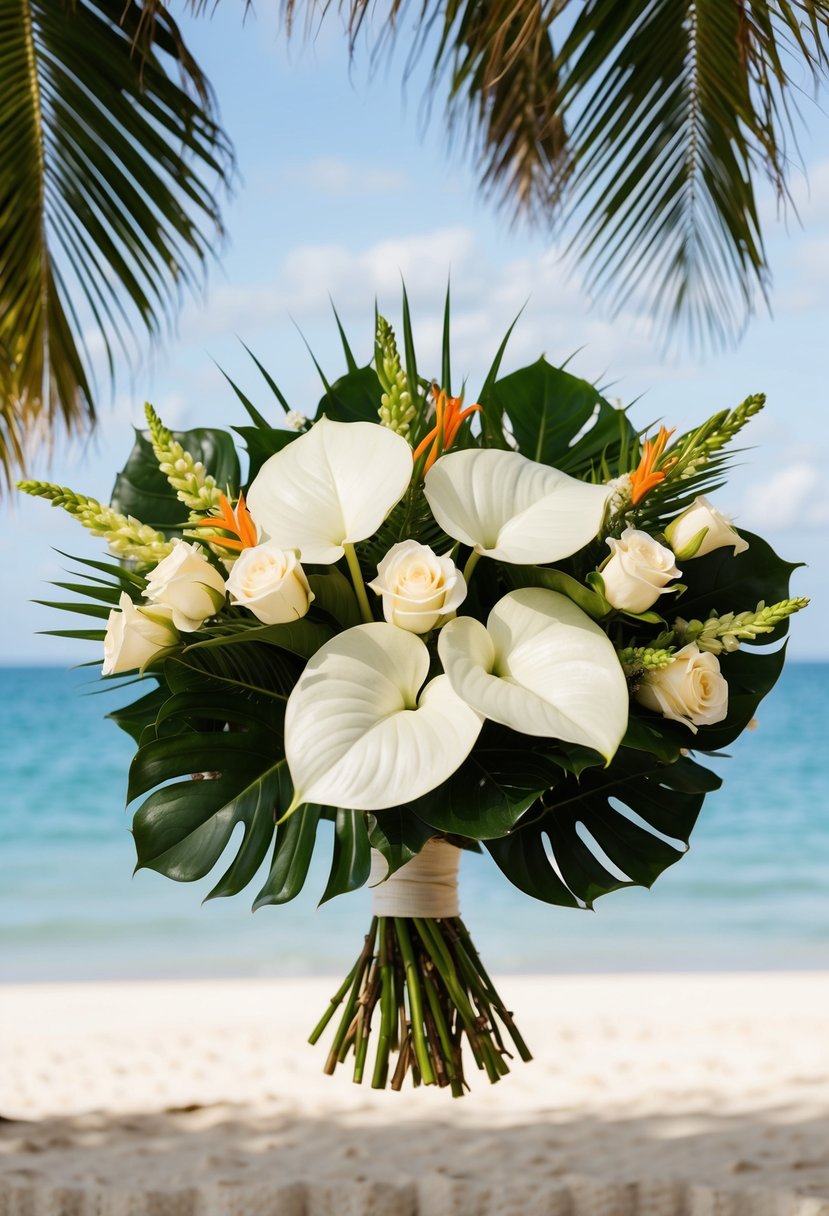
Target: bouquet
{"points": [[513, 627]]}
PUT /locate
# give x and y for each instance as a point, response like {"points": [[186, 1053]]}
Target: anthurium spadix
{"points": [[541, 667], [511, 508], [362, 731], [332, 486]]}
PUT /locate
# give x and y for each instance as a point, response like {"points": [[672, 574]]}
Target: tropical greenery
{"points": [[640, 129], [111, 160]]}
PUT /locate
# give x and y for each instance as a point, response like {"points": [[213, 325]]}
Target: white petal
{"points": [[332, 485], [356, 732], [541, 667], [512, 508]]}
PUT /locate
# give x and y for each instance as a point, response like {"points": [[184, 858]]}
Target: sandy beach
{"points": [[670, 1095]]}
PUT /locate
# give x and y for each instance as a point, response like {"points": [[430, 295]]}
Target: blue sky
{"points": [[341, 189]]}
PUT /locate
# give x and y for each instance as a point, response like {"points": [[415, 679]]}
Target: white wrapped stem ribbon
{"points": [[426, 886]]}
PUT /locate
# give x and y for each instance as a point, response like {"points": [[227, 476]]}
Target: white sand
{"points": [[680, 1095]]}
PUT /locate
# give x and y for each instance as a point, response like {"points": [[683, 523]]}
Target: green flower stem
{"points": [[357, 582], [423, 978], [471, 563], [348, 1013], [503, 1013], [367, 1002], [447, 1047], [388, 1010], [415, 1001], [334, 1004]]}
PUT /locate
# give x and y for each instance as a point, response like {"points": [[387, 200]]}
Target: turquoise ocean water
{"points": [[753, 893]]}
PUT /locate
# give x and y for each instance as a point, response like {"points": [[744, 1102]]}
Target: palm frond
{"points": [[110, 156], [643, 127], [676, 107]]}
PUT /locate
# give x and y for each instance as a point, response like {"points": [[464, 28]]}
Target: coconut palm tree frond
{"points": [[643, 126], [678, 106], [110, 157], [505, 75]]}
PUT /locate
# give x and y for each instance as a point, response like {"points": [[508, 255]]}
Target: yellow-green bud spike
{"points": [[125, 535], [187, 476], [725, 631], [637, 659], [396, 407]]}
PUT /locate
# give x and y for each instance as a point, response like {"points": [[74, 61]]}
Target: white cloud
{"points": [[337, 178], [795, 496], [486, 296]]}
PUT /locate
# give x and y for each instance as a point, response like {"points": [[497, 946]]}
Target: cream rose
{"points": [[271, 583], [419, 589], [135, 636], [691, 689], [700, 529], [637, 571], [186, 583]]}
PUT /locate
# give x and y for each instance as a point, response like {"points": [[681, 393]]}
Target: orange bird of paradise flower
{"points": [[449, 414], [238, 523], [646, 475]]}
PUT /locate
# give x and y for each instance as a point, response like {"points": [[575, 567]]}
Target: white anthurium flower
{"points": [[541, 667], [419, 589], [362, 732], [511, 508], [332, 486]]}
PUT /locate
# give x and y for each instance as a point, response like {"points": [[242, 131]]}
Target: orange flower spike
{"points": [[646, 476], [238, 523], [448, 419]]}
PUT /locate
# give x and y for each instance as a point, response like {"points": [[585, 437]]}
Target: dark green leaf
{"points": [[591, 602], [398, 834], [663, 799], [183, 827], [355, 397], [351, 862], [142, 490], [334, 595], [135, 718], [558, 419], [488, 794], [262, 443], [295, 839]]}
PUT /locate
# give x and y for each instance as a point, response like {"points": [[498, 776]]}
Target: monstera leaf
{"points": [[558, 419], [355, 397], [491, 790], [183, 827], [351, 862], [142, 490], [614, 827]]}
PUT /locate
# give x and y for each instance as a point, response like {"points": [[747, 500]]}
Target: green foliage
{"points": [[142, 490], [351, 863], [355, 397], [492, 789], [110, 159], [399, 834], [665, 801], [720, 581], [550, 413], [183, 827], [262, 443], [411, 519], [292, 852]]}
